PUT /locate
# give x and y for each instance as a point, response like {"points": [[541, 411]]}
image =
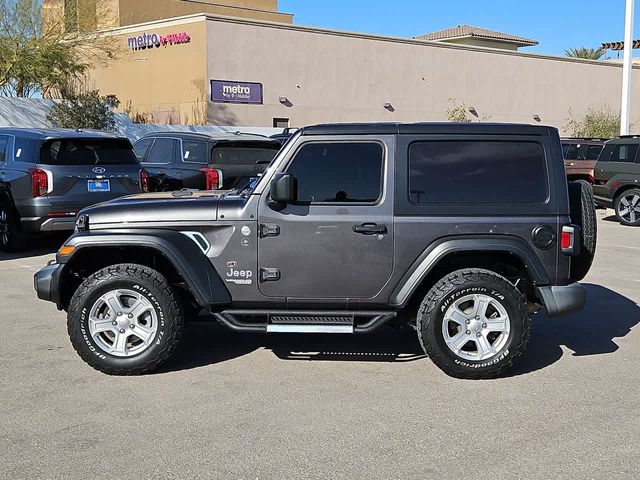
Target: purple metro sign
{"points": [[225, 91]]}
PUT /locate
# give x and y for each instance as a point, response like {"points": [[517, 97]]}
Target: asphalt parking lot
{"points": [[256, 407]]}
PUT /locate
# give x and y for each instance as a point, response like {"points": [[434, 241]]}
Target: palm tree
{"points": [[588, 53]]}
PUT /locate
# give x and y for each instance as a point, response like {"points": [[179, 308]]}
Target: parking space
{"points": [[249, 406]]}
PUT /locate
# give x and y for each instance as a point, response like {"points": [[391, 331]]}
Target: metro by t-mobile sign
{"points": [[226, 91], [150, 40]]}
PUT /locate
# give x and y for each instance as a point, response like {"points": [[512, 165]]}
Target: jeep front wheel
{"points": [[474, 324], [125, 320]]}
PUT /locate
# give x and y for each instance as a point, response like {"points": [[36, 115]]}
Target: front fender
{"points": [[181, 251], [430, 258]]}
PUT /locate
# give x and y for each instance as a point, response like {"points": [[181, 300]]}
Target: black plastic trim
{"points": [[429, 259], [203, 280], [559, 300]]}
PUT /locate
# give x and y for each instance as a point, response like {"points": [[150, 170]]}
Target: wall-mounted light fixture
{"points": [[286, 102], [536, 117], [389, 106], [473, 111]]}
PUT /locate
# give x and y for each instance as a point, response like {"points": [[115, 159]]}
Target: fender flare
{"points": [[430, 258], [182, 252]]}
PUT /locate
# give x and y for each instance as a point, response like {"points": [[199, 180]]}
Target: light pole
{"points": [[627, 68]]}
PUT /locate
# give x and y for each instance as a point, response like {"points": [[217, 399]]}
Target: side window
{"points": [[4, 147], [605, 155], [194, 152], [477, 172], [624, 153], [593, 151], [339, 172], [141, 147], [162, 151], [572, 152]]}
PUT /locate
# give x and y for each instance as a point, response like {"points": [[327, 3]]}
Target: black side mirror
{"points": [[284, 188]]}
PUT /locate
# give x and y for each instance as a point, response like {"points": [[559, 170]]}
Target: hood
{"points": [[150, 209]]}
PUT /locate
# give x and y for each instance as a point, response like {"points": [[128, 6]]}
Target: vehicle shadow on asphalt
{"points": [[611, 218], [206, 343], [36, 247], [606, 316]]}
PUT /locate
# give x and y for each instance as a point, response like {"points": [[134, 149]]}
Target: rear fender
{"points": [[431, 257]]}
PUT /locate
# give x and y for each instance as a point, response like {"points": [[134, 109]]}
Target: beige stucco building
{"points": [[251, 71]]}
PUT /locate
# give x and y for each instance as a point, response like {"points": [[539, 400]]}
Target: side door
{"points": [[336, 242], [158, 162], [4, 154], [193, 159]]}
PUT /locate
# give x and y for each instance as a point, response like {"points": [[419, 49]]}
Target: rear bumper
{"points": [[47, 283], [559, 300]]}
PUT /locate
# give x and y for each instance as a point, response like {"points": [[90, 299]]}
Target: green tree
{"points": [[38, 55], [598, 122], [458, 113], [587, 53], [86, 110]]}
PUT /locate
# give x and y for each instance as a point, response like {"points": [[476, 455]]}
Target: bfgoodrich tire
{"points": [[125, 320], [583, 214], [474, 324], [627, 207]]}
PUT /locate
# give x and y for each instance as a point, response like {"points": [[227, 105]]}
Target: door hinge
{"points": [[269, 274], [269, 230]]}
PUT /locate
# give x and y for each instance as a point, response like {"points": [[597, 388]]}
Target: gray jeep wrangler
{"points": [[460, 231]]}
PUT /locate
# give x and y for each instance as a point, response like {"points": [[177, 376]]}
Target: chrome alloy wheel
{"points": [[4, 227], [629, 208], [123, 323], [476, 327]]}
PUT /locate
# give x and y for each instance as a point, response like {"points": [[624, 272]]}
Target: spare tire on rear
{"points": [[583, 214]]}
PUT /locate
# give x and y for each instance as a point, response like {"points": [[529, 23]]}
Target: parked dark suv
{"points": [[48, 176], [580, 155], [459, 231], [177, 160], [617, 179]]}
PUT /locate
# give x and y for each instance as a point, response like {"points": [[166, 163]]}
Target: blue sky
{"points": [[557, 25]]}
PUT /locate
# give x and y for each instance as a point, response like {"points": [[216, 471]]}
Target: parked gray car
{"points": [[458, 231], [48, 176]]}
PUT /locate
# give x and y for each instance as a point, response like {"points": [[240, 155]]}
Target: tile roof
{"points": [[462, 31]]}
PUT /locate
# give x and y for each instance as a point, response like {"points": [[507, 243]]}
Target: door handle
{"points": [[370, 229]]}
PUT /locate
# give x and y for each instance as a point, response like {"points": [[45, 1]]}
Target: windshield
{"points": [[88, 151], [243, 155]]}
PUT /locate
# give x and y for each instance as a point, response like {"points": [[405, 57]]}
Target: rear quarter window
{"points": [[476, 172], [82, 151]]}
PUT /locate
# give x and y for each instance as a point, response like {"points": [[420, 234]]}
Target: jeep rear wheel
{"points": [[125, 320], [474, 324], [627, 206]]}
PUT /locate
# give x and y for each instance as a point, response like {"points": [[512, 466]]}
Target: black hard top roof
{"points": [[427, 128]]}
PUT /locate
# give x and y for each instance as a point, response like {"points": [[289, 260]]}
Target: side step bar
{"points": [[304, 321]]}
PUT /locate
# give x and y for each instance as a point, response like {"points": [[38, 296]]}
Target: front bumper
{"points": [[558, 300], [47, 283]]}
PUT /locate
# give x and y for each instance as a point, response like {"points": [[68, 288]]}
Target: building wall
{"points": [[140, 11], [106, 14], [340, 77], [164, 84]]}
